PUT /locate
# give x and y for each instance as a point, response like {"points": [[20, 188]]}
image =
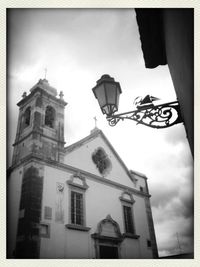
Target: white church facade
{"points": [[74, 202]]}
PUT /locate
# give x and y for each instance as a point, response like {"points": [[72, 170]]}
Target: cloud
{"points": [[162, 195], [173, 213], [175, 232], [88, 36], [172, 202], [177, 136]]}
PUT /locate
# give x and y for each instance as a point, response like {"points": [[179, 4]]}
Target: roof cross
{"points": [[95, 119], [45, 73]]}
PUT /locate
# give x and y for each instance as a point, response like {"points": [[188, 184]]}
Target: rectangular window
{"points": [[47, 213], [148, 243], [76, 208], [128, 219], [45, 230]]}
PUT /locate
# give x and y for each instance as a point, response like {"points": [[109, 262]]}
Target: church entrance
{"points": [[107, 239], [108, 252]]}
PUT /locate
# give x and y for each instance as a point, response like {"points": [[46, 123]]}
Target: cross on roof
{"points": [[95, 119], [45, 73]]}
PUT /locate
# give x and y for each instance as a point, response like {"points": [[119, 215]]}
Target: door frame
{"points": [[107, 241]]}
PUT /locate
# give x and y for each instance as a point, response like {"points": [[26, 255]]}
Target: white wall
{"points": [[82, 158], [101, 200], [57, 230]]}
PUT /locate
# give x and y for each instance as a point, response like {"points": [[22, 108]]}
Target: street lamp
{"points": [[107, 92]]}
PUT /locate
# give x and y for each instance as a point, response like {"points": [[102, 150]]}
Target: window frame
{"points": [[128, 203], [26, 116], [77, 189], [47, 225], [76, 213], [149, 243], [128, 219], [54, 117]]}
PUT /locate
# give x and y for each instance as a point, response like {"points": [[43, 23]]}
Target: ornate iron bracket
{"points": [[160, 116]]}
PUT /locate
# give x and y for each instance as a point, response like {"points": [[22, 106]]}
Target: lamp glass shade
{"points": [[107, 92], [110, 93], [99, 92]]}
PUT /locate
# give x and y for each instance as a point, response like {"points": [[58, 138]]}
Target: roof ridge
{"points": [[82, 141]]}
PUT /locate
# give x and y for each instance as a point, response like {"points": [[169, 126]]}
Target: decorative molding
{"points": [[123, 199], [38, 132], [142, 175], [129, 235], [82, 179], [59, 203], [43, 93], [60, 187], [101, 160], [108, 220], [107, 238], [52, 163], [77, 227], [108, 234]]}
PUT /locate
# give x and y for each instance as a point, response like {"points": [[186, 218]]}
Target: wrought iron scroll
{"points": [[160, 116]]}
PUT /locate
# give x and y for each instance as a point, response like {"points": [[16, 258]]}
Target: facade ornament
{"points": [[101, 160], [61, 95], [24, 95]]}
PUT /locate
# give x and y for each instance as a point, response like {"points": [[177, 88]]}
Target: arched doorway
{"points": [[107, 239]]}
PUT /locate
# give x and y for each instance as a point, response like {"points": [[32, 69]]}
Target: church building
{"points": [[72, 202]]}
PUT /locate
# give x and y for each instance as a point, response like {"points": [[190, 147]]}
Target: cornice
{"points": [[73, 170], [38, 132], [41, 91]]}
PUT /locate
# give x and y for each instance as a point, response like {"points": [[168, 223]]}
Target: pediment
{"points": [[96, 155], [108, 228]]}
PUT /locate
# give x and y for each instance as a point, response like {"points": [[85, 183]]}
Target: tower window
{"points": [[49, 116], [27, 116]]}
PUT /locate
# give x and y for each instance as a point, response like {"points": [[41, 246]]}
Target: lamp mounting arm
{"points": [[160, 116]]}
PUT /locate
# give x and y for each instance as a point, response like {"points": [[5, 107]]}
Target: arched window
{"points": [[49, 116], [27, 116]]}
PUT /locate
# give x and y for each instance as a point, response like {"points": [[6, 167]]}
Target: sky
{"points": [[78, 46]]}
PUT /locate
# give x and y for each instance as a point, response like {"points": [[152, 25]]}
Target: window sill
{"points": [[77, 227], [129, 235]]}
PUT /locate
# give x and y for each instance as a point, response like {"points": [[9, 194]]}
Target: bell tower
{"points": [[39, 141], [40, 130]]}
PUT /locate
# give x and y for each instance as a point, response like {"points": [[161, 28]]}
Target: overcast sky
{"points": [[78, 46]]}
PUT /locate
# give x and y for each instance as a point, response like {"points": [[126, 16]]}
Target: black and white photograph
{"points": [[100, 133]]}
